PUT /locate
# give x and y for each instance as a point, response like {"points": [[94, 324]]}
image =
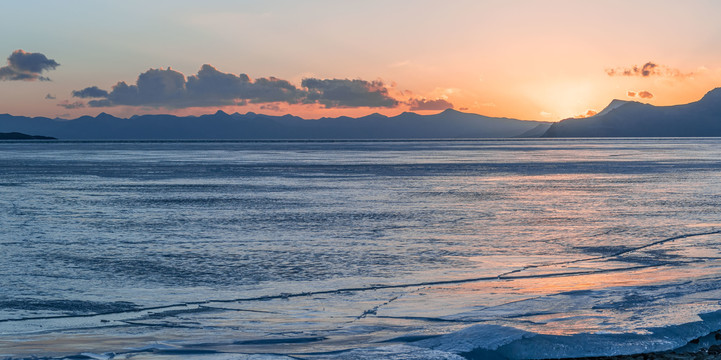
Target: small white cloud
{"points": [[546, 114], [400, 64]]}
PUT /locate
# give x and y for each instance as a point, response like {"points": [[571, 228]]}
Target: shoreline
{"points": [[703, 348], [703, 354]]}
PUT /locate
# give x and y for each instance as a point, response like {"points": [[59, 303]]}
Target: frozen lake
{"points": [[517, 249]]}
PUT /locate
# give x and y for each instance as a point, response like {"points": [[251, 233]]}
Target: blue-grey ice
{"points": [[516, 249]]}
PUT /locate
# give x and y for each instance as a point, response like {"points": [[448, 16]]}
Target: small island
{"points": [[21, 136]]}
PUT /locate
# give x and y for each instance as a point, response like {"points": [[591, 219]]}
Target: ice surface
{"points": [[510, 343], [523, 248]]}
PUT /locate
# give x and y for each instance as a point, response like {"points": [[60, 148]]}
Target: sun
{"points": [[562, 99]]}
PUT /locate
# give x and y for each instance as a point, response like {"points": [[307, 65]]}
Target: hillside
{"points": [[633, 119], [21, 136]]}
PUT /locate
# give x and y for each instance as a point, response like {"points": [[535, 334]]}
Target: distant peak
{"points": [[713, 95], [221, 112], [104, 115], [450, 111], [374, 116], [615, 103]]}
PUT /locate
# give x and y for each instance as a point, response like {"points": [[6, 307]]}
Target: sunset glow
{"points": [[534, 60]]}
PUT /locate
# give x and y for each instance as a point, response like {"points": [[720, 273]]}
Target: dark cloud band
{"points": [[90, 92], [423, 104], [333, 93], [209, 87]]}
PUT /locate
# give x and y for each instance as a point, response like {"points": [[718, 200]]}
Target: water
{"points": [[407, 250]]}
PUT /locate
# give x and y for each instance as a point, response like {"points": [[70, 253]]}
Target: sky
{"points": [[532, 60]]}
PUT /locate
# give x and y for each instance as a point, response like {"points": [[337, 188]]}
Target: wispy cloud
{"points": [[648, 69], [74, 105], [271, 107], [400, 64], [26, 66]]}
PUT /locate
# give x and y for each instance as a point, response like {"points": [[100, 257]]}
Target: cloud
{"points": [[423, 104], [588, 113], [68, 105], [645, 95], [31, 62], [90, 92], [400, 63], [155, 87], [50, 97], [647, 70], [271, 107], [210, 87], [642, 94], [334, 93], [100, 103], [26, 66]]}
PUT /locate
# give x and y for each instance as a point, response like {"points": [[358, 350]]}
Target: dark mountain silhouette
{"points": [[634, 119], [447, 124]]}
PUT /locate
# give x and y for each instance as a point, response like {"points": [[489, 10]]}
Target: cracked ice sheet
{"points": [[612, 295]]}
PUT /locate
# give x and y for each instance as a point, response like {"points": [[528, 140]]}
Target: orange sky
{"points": [[536, 60]]}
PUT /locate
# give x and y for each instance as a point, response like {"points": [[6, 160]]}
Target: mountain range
{"points": [[447, 124], [619, 119]]}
